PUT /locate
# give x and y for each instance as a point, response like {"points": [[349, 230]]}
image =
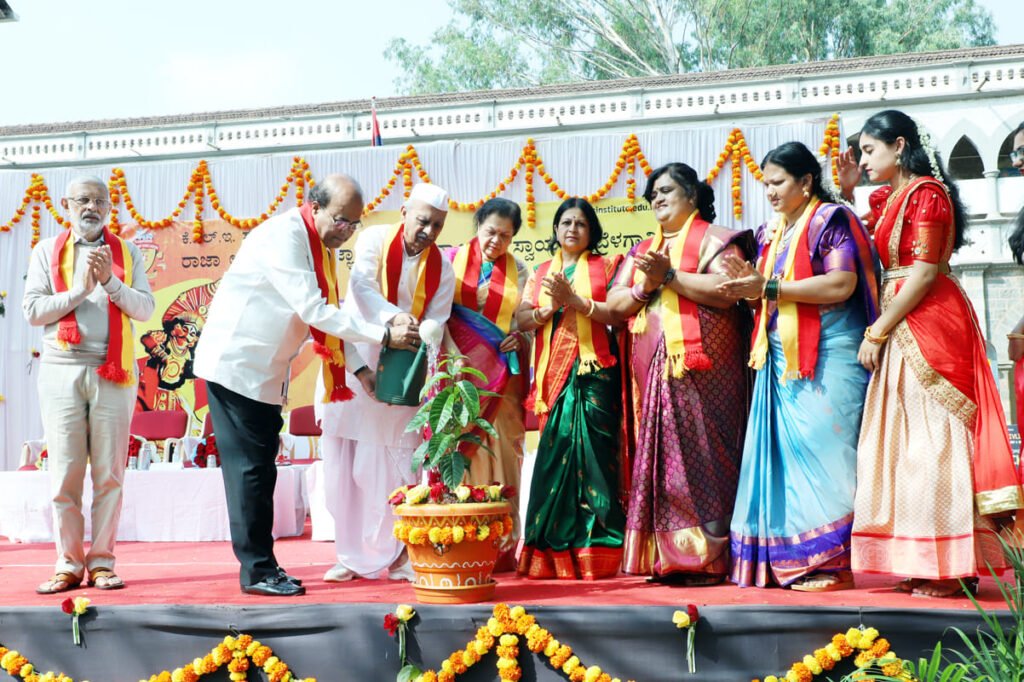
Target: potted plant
{"points": [[452, 530]]}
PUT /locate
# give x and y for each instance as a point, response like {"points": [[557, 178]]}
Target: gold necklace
{"points": [[896, 190]]}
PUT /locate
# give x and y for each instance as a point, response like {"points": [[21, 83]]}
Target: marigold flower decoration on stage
{"points": [[873, 651], [505, 630], [75, 607], [687, 620], [239, 654], [3, 306], [434, 491]]}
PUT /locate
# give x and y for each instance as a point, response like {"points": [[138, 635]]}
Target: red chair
{"points": [[302, 422], [166, 426]]}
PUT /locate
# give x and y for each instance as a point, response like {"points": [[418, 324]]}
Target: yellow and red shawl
{"points": [[331, 349], [428, 271], [502, 291], [590, 281], [683, 344], [118, 366]]}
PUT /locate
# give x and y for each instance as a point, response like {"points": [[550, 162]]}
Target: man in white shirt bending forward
{"points": [[281, 287]]}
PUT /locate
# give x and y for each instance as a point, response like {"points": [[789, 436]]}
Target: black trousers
{"points": [[247, 439]]}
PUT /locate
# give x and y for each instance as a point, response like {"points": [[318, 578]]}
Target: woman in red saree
{"points": [[934, 460]]}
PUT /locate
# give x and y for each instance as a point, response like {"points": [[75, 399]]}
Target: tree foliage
{"points": [[524, 43]]}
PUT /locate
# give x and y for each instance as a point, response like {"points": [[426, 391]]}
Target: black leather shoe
{"points": [[290, 578], [275, 586]]}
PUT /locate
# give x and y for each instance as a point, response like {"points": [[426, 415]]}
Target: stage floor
{"points": [[206, 573]]}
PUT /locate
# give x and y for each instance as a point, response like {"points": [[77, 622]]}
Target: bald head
{"points": [[337, 203]]}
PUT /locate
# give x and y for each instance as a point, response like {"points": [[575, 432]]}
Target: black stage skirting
{"points": [[341, 642]]}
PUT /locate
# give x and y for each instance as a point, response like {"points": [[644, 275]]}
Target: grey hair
{"points": [[84, 180], [322, 192]]}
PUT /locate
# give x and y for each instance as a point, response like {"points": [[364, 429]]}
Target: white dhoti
{"points": [[366, 455]]}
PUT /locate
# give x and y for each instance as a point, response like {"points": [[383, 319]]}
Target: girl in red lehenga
{"points": [[1015, 348], [935, 472]]}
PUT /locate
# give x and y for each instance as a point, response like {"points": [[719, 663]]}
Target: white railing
{"points": [[967, 83]]}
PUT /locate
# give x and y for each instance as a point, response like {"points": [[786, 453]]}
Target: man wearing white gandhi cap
{"points": [[399, 277]]}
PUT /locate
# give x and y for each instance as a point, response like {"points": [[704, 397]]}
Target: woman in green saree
{"points": [[574, 518]]}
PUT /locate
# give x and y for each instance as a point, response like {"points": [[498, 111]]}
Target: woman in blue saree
{"points": [[815, 292]]}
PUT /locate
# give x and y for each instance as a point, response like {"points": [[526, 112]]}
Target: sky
{"points": [[73, 60]]}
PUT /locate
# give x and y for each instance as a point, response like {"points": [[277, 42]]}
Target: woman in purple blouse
{"points": [[814, 292]]}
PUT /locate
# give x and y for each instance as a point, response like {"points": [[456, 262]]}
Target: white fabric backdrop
{"points": [[580, 163]]}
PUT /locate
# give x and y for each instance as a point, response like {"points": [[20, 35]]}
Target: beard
{"points": [[90, 228]]}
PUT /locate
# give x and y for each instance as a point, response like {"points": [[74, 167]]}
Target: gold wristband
{"points": [[877, 340], [534, 316], [590, 310]]}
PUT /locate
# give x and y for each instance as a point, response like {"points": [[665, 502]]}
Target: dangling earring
{"points": [[899, 161], [807, 195]]}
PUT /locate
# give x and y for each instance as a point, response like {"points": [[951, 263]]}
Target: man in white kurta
{"points": [[366, 451]]}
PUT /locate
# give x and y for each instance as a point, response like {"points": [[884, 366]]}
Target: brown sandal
{"points": [[60, 582], [104, 579]]}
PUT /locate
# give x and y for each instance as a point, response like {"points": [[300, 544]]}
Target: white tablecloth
{"points": [[184, 505]]}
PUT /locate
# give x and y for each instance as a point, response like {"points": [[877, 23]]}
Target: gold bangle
{"points": [[877, 340], [1014, 335], [536, 320], [593, 306]]}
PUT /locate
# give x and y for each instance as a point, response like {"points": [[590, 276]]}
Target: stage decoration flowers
{"points": [[687, 620], [207, 448], [75, 607], [134, 448], [240, 654], [872, 651], [3, 306], [505, 630], [201, 191], [397, 623]]}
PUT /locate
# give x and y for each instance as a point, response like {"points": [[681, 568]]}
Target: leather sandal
{"points": [[104, 579], [60, 582]]}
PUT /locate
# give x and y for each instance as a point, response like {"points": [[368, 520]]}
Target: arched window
{"points": [[1006, 168], [964, 161]]}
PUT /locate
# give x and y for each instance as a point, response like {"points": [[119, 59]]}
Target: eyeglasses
{"points": [[1017, 154], [85, 201], [342, 222]]}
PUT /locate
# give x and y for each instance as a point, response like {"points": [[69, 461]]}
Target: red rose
{"points": [[45, 454], [211, 446], [508, 491], [391, 623], [397, 498], [437, 491], [433, 477], [478, 494], [692, 612], [67, 606]]}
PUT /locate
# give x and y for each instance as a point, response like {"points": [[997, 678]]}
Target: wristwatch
{"points": [[670, 275]]}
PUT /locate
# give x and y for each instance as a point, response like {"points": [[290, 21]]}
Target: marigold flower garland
{"points": [[874, 651], [200, 187], [506, 628]]}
